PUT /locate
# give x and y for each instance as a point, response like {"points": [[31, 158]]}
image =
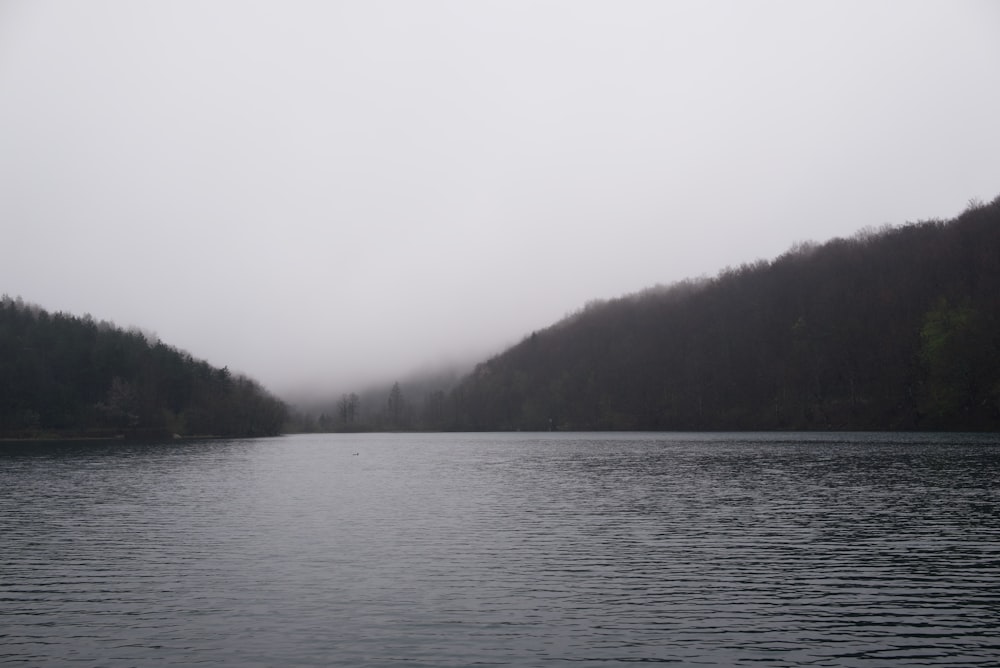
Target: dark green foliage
{"points": [[63, 375], [895, 329], [960, 376]]}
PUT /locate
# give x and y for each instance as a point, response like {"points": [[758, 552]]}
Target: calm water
{"points": [[522, 550]]}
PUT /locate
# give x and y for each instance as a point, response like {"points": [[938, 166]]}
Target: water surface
{"points": [[503, 549]]}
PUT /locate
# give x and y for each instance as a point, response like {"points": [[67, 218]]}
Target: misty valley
{"points": [[516, 333], [892, 329], [636, 492]]}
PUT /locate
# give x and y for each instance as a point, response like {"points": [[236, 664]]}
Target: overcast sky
{"points": [[324, 193]]}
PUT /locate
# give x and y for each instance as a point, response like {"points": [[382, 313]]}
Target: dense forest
{"points": [[893, 329], [62, 375]]}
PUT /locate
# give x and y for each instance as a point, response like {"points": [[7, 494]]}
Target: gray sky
{"points": [[323, 193]]}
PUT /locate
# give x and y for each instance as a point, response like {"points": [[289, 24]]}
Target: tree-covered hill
{"points": [[894, 329], [62, 375]]}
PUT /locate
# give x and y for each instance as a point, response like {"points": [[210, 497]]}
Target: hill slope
{"points": [[62, 375], [895, 329]]}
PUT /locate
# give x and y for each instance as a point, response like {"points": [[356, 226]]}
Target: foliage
{"points": [[64, 375], [897, 328]]}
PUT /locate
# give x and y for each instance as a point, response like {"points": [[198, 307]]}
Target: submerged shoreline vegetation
{"points": [[63, 376], [892, 329]]}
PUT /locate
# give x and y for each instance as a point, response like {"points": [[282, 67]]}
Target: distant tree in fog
{"points": [[348, 407], [395, 408]]}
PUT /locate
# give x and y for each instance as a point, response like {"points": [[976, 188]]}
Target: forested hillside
{"points": [[890, 329], [66, 376]]}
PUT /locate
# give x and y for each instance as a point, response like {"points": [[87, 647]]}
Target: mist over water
{"points": [[510, 549]]}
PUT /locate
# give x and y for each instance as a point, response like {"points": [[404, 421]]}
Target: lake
{"points": [[503, 549]]}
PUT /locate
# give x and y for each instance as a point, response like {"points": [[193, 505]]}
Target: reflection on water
{"points": [[437, 550]]}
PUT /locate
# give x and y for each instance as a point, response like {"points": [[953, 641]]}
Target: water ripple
{"points": [[521, 550]]}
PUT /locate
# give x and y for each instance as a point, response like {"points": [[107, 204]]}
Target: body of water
{"points": [[503, 549]]}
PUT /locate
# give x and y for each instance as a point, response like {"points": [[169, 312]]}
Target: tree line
{"points": [[897, 328], [892, 329], [62, 375], [419, 404]]}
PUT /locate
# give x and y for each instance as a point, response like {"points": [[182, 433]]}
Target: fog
{"points": [[326, 194]]}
